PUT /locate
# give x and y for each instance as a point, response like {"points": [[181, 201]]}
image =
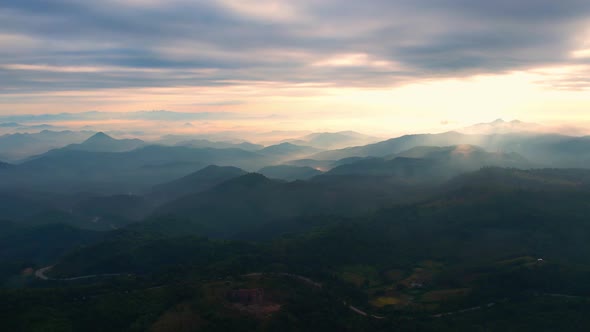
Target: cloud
{"points": [[62, 45], [156, 116]]}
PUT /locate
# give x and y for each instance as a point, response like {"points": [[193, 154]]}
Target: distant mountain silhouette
{"points": [[323, 165], [203, 143], [535, 179], [544, 150], [116, 172], [198, 181], [15, 147], [253, 200], [467, 156], [394, 145], [101, 142], [400, 167], [10, 125], [289, 173], [334, 140], [99, 138], [500, 126], [233, 205], [287, 149], [429, 163]]}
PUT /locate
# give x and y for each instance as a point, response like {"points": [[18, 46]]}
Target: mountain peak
{"points": [[101, 142], [99, 137], [287, 144], [500, 126], [249, 180], [210, 168], [9, 125], [215, 169], [501, 121], [287, 148]]}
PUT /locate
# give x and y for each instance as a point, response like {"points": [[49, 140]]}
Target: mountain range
{"points": [[195, 182], [411, 233], [431, 163], [114, 172], [203, 143], [288, 150], [18, 146], [101, 142], [289, 172], [104, 165], [545, 150], [500, 126], [336, 140]]}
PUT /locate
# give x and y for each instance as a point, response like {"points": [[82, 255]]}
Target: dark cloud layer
{"points": [[78, 45]]}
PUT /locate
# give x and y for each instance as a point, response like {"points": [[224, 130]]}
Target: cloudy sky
{"points": [[379, 66]]}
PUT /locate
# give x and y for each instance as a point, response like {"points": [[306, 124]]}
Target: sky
{"points": [[376, 66]]}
